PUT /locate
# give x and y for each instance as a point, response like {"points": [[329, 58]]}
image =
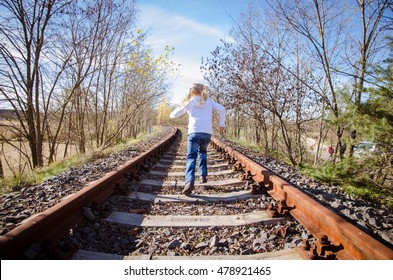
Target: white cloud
{"points": [[190, 73], [191, 39], [189, 24], [172, 28]]}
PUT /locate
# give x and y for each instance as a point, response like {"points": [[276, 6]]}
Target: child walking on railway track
{"points": [[199, 108]]}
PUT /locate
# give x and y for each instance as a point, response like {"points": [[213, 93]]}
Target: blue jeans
{"points": [[197, 146]]}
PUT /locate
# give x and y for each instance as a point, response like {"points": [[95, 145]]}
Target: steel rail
{"points": [[336, 237], [45, 229]]}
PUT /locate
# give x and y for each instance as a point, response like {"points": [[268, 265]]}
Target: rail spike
{"points": [[280, 210]]}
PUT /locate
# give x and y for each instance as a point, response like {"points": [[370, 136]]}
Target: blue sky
{"points": [[193, 28]]}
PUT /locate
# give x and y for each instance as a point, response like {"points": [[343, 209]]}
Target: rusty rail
{"points": [[44, 228], [336, 237]]}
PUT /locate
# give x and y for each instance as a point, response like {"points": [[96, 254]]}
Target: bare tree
{"points": [[326, 25], [67, 73], [255, 75], [81, 29], [374, 27], [25, 39]]}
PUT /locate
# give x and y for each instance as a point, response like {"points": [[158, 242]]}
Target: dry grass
{"points": [[73, 160], [13, 162]]}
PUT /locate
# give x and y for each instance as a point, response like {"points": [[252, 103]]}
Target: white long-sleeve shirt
{"points": [[200, 115]]}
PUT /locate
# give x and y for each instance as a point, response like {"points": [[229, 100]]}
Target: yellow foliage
{"points": [[163, 112]]}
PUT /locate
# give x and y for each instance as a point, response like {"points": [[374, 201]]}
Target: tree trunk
{"points": [[1, 170]]}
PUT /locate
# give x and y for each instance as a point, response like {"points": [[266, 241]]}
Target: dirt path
{"points": [[312, 148]]}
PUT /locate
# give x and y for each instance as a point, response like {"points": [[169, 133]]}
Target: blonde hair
{"points": [[197, 90]]}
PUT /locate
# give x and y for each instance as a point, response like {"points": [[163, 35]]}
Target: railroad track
{"points": [[244, 211]]}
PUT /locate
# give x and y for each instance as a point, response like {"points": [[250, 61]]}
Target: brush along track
{"points": [[224, 218]]}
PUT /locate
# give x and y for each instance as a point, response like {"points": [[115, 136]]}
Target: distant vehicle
{"points": [[366, 149]]}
